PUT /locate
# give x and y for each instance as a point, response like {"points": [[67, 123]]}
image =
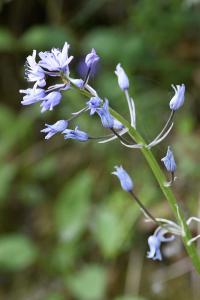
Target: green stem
{"points": [[161, 179]]}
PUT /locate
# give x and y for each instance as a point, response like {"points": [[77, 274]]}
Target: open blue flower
{"points": [[57, 127], [75, 134], [56, 60], [50, 100], [93, 104], [32, 95], [106, 118], [33, 72]]}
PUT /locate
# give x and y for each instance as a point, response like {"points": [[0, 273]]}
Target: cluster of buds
{"points": [[55, 64]]}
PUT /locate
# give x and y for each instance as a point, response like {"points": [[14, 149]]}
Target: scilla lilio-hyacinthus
{"points": [[55, 63]]}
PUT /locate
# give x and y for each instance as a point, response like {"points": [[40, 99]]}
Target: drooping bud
{"points": [[124, 178], [91, 59], [179, 97], [123, 80], [169, 161]]}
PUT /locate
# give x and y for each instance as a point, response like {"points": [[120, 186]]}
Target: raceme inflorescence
{"points": [[55, 64]]}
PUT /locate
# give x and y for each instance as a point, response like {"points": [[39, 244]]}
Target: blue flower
{"points": [[32, 96], [51, 130], [75, 134], [106, 118], [91, 59], [50, 100], [93, 104], [123, 80], [155, 241], [179, 97], [56, 60], [33, 72], [169, 161], [82, 69], [124, 178]]}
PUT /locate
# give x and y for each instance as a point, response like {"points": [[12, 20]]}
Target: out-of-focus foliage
{"points": [[67, 231]]}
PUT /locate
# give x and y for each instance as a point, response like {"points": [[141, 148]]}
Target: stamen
{"points": [[192, 219], [77, 114], [122, 139], [157, 141], [193, 240], [122, 132], [134, 146], [131, 106], [101, 137], [91, 90], [180, 219], [171, 226], [166, 125]]}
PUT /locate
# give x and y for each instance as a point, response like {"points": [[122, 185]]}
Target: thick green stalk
{"points": [[160, 177]]}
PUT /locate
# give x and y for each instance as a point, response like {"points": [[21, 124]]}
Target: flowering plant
{"points": [[55, 64]]}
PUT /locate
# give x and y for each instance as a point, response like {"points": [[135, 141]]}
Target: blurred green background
{"points": [[67, 231]]}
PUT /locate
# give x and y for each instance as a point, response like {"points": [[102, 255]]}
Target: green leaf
{"points": [[64, 256], [45, 37], [129, 298], [72, 207], [7, 173], [31, 193], [89, 283], [7, 40], [55, 296], [7, 117], [100, 37], [113, 223], [14, 135], [45, 168], [17, 252]]}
